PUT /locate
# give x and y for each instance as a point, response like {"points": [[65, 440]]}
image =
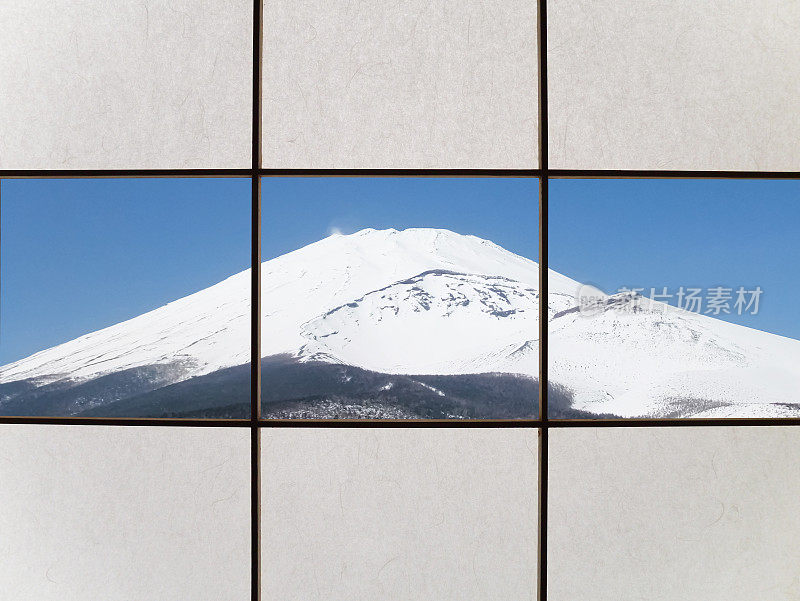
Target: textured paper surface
{"points": [[674, 513], [109, 84], [416, 84], [92, 513], [644, 84], [399, 514]]}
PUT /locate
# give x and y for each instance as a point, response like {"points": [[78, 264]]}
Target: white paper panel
{"points": [[674, 513], [646, 84], [416, 84], [92, 513], [399, 514], [110, 84]]}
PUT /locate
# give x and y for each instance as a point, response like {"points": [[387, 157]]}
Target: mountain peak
{"points": [[409, 231], [423, 238]]}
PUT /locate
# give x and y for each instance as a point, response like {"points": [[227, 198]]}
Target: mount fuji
{"points": [[418, 323]]}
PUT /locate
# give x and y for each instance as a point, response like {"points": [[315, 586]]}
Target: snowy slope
{"points": [[453, 323], [198, 334], [663, 361]]}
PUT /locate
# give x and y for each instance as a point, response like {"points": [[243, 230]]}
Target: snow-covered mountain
{"points": [[458, 305], [418, 322]]}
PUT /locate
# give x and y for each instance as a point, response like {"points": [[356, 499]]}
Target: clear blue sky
{"points": [[702, 233], [298, 211], [77, 255]]}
